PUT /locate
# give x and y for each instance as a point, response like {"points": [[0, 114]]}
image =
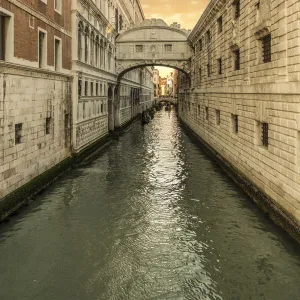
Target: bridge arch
{"points": [[153, 43]]}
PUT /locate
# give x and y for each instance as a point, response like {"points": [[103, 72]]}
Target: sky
{"points": [[184, 12]]}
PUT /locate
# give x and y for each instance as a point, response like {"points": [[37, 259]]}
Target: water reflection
{"points": [[152, 218]]}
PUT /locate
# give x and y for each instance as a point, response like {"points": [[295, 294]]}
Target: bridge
{"points": [[153, 43]]}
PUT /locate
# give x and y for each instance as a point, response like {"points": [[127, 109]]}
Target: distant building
{"points": [[163, 86], [156, 82]]}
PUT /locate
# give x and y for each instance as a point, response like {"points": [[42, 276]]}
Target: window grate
{"points": [[237, 12], [218, 117], [220, 66], [237, 62], [18, 133], [48, 125], [265, 134], [266, 45], [208, 70], [220, 24]]}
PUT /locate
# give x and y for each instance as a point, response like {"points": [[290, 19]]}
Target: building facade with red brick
{"points": [[35, 89]]}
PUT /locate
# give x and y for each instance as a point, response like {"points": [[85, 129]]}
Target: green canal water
{"points": [[152, 218]]}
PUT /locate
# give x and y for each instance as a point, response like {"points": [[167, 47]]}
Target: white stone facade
{"points": [[99, 98], [244, 99]]}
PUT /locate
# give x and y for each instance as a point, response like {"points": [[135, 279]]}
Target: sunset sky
{"points": [[185, 12]]}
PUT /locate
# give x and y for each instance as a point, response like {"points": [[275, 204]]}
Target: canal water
{"points": [[152, 218]]}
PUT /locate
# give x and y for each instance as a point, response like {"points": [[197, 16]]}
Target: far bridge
{"points": [[153, 43]]}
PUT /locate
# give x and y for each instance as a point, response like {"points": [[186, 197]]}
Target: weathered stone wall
{"points": [[227, 108], [41, 103]]}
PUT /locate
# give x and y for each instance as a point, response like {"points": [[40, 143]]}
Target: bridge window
{"points": [[220, 24], [168, 48], [266, 48], [139, 48]]}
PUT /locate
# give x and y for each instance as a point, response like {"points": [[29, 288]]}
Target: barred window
{"points": [[237, 64], [200, 45], [218, 117], [208, 70], [220, 66], [79, 87], [206, 113], [18, 133], [266, 48], [208, 37], [220, 24], [48, 125], [237, 9], [138, 48], [265, 134], [168, 48], [235, 123]]}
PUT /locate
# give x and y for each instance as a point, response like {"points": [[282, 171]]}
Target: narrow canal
{"points": [[152, 218]]}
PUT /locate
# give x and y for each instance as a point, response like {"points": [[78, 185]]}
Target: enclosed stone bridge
{"points": [[153, 43]]}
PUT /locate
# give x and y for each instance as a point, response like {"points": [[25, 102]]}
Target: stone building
{"points": [[35, 87], [156, 82], [244, 95], [101, 101]]}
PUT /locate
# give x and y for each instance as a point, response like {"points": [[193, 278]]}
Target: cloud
{"points": [[194, 2], [145, 6]]}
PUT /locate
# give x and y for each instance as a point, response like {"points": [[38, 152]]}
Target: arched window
{"points": [[86, 44], [79, 38], [92, 42], [97, 51]]}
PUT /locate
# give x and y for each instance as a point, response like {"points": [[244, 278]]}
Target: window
{"points": [[168, 48], [208, 37], [198, 110], [219, 61], [67, 131], [57, 54], [97, 90], [220, 24], [86, 88], [92, 88], [138, 48], [57, 5], [236, 55], [200, 45], [79, 87], [18, 133], [262, 134], [48, 125], [266, 48], [101, 108], [42, 50], [117, 19], [235, 123], [208, 70], [121, 22], [2, 37], [200, 75], [236, 9], [206, 113], [218, 117], [298, 146], [100, 89]]}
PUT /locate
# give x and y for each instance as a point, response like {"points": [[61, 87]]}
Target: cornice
{"points": [[210, 12], [40, 16]]}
